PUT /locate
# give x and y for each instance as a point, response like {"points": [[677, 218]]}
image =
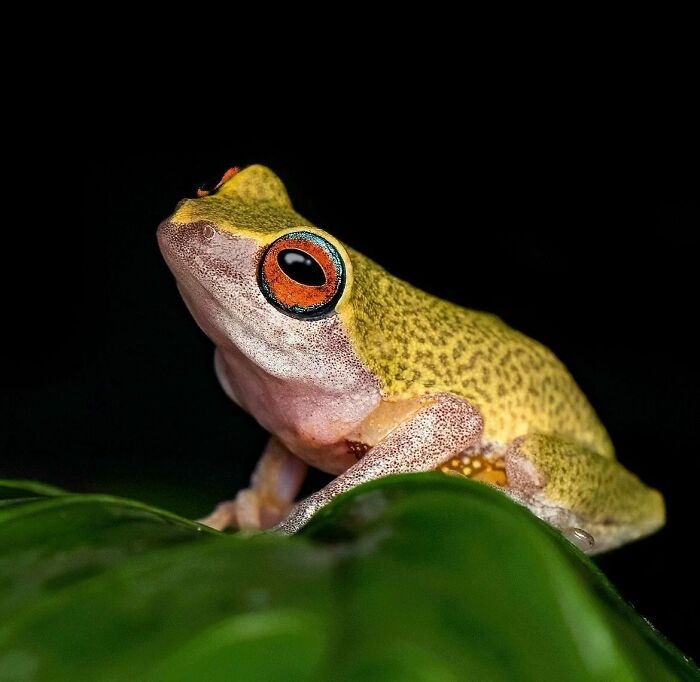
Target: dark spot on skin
{"points": [[506, 358], [357, 448]]}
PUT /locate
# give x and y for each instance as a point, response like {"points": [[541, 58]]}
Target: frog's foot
{"points": [[579, 537], [248, 511], [273, 487], [593, 500], [223, 516]]}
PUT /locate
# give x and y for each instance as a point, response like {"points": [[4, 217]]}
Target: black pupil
{"points": [[300, 267]]}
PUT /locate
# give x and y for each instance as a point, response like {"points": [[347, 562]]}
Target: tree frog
{"points": [[362, 375]]}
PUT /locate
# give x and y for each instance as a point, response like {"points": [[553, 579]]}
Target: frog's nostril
{"points": [[175, 237]]}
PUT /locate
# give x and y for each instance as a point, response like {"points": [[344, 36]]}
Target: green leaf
{"points": [[417, 577], [10, 490]]}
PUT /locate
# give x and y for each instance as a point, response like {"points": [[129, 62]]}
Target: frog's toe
{"points": [[579, 537], [243, 513], [223, 516]]}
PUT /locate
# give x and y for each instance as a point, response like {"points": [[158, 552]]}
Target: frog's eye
{"points": [[302, 274]]}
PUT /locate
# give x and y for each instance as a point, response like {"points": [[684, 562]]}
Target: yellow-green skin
{"points": [[416, 345], [518, 385]]}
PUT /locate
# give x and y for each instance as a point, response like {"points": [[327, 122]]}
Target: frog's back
{"points": [[416, 344]]}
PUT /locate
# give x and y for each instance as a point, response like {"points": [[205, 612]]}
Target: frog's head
{"points": [[256, 276]]}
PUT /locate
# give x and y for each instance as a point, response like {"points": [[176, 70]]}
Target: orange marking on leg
{"points": [[477, 466]]}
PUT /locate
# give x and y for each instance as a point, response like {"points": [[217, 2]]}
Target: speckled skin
{"points": [[518, 384], [402, 378], [544, 473]]}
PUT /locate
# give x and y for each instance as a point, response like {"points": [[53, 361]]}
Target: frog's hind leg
{"points": [[575, 489], [273, 487]]}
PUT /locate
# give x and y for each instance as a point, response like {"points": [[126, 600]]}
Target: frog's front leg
{"points": [[574, 488], [273, 487], [444, 426]]}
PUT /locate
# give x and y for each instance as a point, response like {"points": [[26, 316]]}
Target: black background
{"points": [[582, 234]]}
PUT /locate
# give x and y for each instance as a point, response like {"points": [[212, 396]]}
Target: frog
{"points": [[358, 373]]}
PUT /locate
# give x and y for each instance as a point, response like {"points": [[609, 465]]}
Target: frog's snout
{"points": [[178, 239]]}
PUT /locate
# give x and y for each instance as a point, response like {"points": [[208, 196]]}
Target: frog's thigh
{"points": [[572, 487]]}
